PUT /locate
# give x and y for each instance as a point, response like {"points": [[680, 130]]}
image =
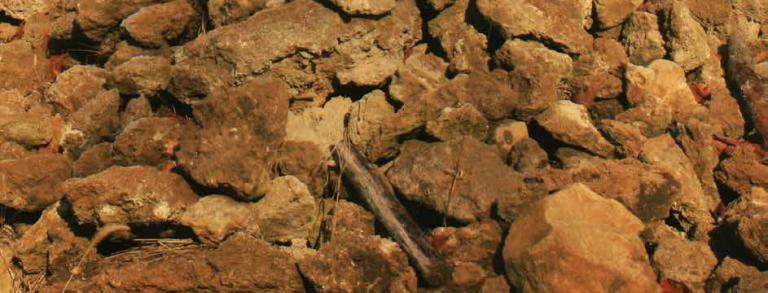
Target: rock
{"points": [[49, 244], [694, 206], [344, 216], [446, 177], [144, 75], [33, 182], [7, 270], [642, 38], [527, 156], [240, 131], [352, 262], [564, 236], [23, 9], [148, 141], [463, 44], [420, 74], [223, 269], [129, 195], [94, 160], [475, 243], [27, 128], [305, 161], [135, 109], [569, 158], [728, 273], [162, 24], [509, 133], [439, 5], [456, 122], [753, 9], [659, 94], [570, 123], [125, 51], [12, 151], [367, 65], [597, 75], [288, 211], [754, 283], [725, 114], [681, 261], [365, 127], [223, 12], [97, 119], [696, 138], [365, 7], [541, 70], [215, 217], [75, 86], [628, 138], [495, 285], [743, 170], [611, 13], [322, 126], [748, 216], [687, 39], [26, 65], [556, 22], [467, 275], [96, 18]]}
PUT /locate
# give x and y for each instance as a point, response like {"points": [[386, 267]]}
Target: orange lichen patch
{"points": [[701, 92]]}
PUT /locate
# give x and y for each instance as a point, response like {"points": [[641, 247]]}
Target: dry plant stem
{"points": [[754, 90], [380, 198]]}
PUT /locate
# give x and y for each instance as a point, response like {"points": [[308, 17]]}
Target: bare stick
{"points": [[754, 89], [380, 198]]}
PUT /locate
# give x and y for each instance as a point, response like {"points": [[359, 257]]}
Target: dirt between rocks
{"points": [[542, 146]]}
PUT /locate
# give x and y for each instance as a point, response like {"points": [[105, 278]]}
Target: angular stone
{"points": [[215, 217], [96, 18], [729, 272], [27, 66], [75, 86], [34, 182], [743, 170], [129, 195], [749, 216], [560, 245], [558, 22], [162, 24], [144, 75], [508, 133], [611, 13], [570, 123], [321, 126], [352, 262], [148, 141], [223, 12], [420, 74], [365, 127], [23, 9], [527, 156], [456, 122], [679, 260], [642, 38], [475, 243], [97, 119], [365, 7], [94, 160], [288, 211], [49, 244], [448, 177], [464, 45], [628, 138], [687, 39]]}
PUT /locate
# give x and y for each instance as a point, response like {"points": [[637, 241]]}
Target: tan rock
{"points": [[611, 13], [225, 12], [144, 75], [365, 7], [508, 133], [679, 260], [365, 128], [322, 126], [23, 9], [157, 25], [32, 183], [456, 122], [578, 241], [215, 217], [570, 123], [643, 39], [687, 38], [288, 211]]}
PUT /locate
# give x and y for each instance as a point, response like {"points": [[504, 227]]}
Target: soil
{"points": [[524, 145]]}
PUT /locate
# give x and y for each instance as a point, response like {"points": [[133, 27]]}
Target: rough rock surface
{"points": [[687, 39], [148, 141], [680, 260], [223, 12], [463, 44], [145, 75], [128, 195], [570, 123], [455, 122], [215, 217], [33, 182], [366, 124], [322, 126], [447, 177], [365, 7], [611, 13], [49, 243], [161, 24], [560, 245], [748, 216], [643, 39]]}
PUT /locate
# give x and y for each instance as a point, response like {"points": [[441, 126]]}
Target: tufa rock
{"points": [[322, 126], [224, 12]]}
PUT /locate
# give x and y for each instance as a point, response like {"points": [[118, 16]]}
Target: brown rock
{"points": [[464, 45], [748, 216], [611, 13], [696, 138], [161, 24], [94, 160], [22, 9], [352, 262], [456, 122], [322, 126], [642, 38], [495, 285], [365, 7], [475, 243], [450, 177], [628, 138], [12, 151], [288, 211], [26, 65], [679, 260], [743, 170], [215, 217], [365, 127], [528, 156], [570, 123], [687, 39], [34, 182], [49, 244], [145, 75], [75, 86], [559, 22], [148, 141], [345, 216], [240, 132], [420, 74], [305, 161], [509, 133], [559, 245], [97, 18], [597, 75], [223, 12], [95, 120], [129, 195], [134, 110], [728, 272]]}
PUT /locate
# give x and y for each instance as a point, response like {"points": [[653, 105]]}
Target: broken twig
{"points": [[380, 198]]}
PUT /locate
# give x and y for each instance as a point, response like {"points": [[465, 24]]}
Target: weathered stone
{"points": [[322, 126], [643, 39], [365, 7], [560, 245], [162, 24], [508, 133], [729, 272], [559, 22], [365, 128], [23, 9], [597, 75], [129, 195], [75, 86], [678, 260], [628, 138], [344, 216], [448, 177], [696, 138], [475, 243], [240, 131], [34, 182], [288, 211], [748, 215], [94, 160], [687, 43], [528, 156], [456, 122], [570, 123], [49, 244], [135, 109], [96, 18], [97, 119], [215, 217], [420, 74], [464, 45], [145, 75], [352, 262], [611, 13], [148, 141], [223, 12], [743, 170]]}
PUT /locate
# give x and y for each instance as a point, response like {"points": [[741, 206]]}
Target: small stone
{"points": [[49, 244], [96, 120], [225, 12], [687, 39], [365, 7], [365, 129], [565, 236], [628, 138], [528, 156], [730, 271], [135, 109], [475, 243], [144, 75], [288, 211], [611, 13], [680, 260], [22, 9], [215, 217], [148, 141], [32, 183], [345, 216], [743, 170], [94, 160], [508, 133], [748, 215], [96, 18], [570, 123], [420, 74], [464, 45], [161, 24], [129, 195], [75, 86], [322, 126], [495, 285], [455, 122], [643, 39], [305, 161]]}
